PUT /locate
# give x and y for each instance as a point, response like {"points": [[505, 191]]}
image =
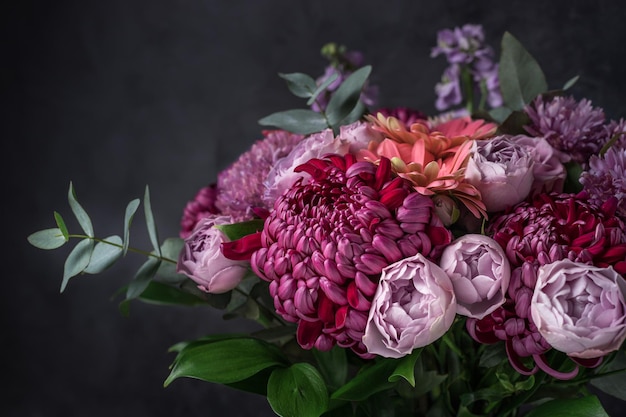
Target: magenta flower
{"points": [[241, 185], [480, 274], [547, 229], [202, 260], [202, 206], [405, 115], [414, 305], [574, 128], [605, 178], [580, 309], [327, 242]]}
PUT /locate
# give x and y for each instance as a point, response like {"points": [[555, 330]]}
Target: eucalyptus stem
{"points": [[131, 249]]}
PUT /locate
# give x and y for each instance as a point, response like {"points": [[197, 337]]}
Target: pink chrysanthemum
{"points": [[202, 206], [547, 229], [575, 128], [327, 241], [241, 185]]}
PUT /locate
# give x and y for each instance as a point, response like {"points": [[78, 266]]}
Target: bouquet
{"points": [[466, 263]]}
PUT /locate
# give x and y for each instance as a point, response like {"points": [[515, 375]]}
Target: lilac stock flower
{"points": [[327, 241], [202, 260], [241, 184], [464, 48], [449, 89], [461, 45], [351, 138], [501, 170], [202, 206], [580, 309], [606, 178], [574, 128], [413, 306], [480, 274]]}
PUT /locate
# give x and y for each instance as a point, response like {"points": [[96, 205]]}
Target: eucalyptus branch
{"points": [[130, 248]]}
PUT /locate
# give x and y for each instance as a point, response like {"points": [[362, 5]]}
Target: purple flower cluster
{"points": [[606, 178], [465, 50]]}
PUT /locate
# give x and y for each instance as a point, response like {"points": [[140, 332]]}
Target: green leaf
{"points": [[225, 361], [588, 406], [152, 229], [323, 86], [297, 391], [236, 231], [131, 208], [170, 249], [614, 384], [333, 365], [301, 121], [61, 225], [514, 124], [368, 381], [499, 114], [79, 212], [570, 82], [572, 181], [163, 294], [77, 261], [425, 380], [275, 334], [492, 355], [301, 85], [521, 77], [104, 255], [406, 368], [344, 100], [142, 278], [47, 239]]}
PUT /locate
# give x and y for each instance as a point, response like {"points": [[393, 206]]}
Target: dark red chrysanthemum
{"points": [[328, 239], [547, 229]]}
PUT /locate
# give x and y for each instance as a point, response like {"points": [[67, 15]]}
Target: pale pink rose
{"points": [[413, 306], [580, 309], [480, 274], [548, 170], [202, 260], [501, 170], [351, 138]]}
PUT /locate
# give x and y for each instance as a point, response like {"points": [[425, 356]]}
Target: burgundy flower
{"points": [[201, 207], [327, 242], [549, 228]]}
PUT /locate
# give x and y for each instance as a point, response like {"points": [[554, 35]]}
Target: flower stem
{"points": [[131, 249]]}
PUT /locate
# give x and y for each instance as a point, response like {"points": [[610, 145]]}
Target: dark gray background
{"points": [[114, 95]]}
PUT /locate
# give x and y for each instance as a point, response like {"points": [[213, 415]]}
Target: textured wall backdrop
{"points": [[117, 94]]}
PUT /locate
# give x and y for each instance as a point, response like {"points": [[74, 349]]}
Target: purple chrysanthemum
{"points": [[406, 115], [616, 132], [606, 177], [241, 185], [326, 242], [575, 128]]}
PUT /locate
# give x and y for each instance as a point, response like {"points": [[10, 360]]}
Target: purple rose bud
{"points": [[501, 170], [480, 274], [414, 305], [580, 309], [202, 260]]}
